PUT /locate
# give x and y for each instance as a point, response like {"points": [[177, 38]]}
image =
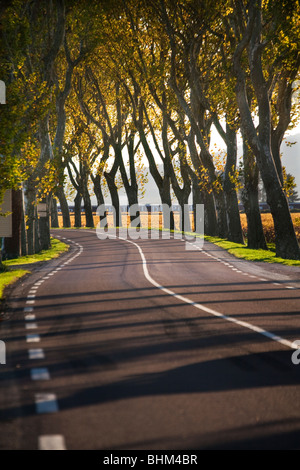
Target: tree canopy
{"points": [[94, 88]]}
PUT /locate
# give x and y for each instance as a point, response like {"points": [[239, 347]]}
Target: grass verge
{"points": [[9, 277], [13, 272], [241, 251]]}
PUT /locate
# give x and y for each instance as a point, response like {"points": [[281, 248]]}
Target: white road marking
{"points": [[32, 338], [28, 309], [40, 373], [36, 353], [51, 442], [199, 306], [46, 403], [31, 326], [30, 317]]}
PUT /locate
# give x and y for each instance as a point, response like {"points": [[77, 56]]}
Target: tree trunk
{"points": [[202, 196], [259, 140], [54, 213], [2, 267], [221, 213], [37, 245], [44, 227], [165, 196], [64, 207], [89, 220], [235, 233], [24, 244], [77, 209], [255, 233], [113, 190], [99, 196], [184, 223], [131, 188]]}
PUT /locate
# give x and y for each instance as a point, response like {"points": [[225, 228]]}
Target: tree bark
{"points": [[54, 213], [114, 195], [260, 141], [162, 183], [235, 233], [89, 220], [77, 209], [99, 196], [204, 196], [64, 207], [44, 226], [255, 233]]}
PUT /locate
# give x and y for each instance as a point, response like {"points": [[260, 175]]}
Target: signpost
{"points": [[2, 92], [6, 220]]}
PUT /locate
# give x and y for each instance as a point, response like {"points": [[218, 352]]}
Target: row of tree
{"points": [[93, 88]]}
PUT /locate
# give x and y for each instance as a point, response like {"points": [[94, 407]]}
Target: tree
{"points": [[251, 43]]}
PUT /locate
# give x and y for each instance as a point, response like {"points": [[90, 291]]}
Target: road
{"points": [[144, 344]]}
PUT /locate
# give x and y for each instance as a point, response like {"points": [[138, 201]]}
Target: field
{"points": [[156, 222], [269, 226]]}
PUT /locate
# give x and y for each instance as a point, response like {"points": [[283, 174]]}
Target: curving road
{"points": [[144, 344]]}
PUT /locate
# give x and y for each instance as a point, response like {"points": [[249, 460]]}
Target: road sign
{"points": [[42, 209], [6, 221], [2, 92]]}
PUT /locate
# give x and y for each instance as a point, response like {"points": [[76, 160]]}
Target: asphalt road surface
{"points": [[146, 344]]}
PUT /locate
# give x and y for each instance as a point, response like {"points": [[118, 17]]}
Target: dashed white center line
{"points": [[30, 317], [32, 338], [40, 373], [46, 403], [30, 326], [36, 353], [28, 309], [52, 442]]}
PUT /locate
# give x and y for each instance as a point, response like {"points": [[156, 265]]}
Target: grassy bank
{"points": [[17, 268], [241, 251]]}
